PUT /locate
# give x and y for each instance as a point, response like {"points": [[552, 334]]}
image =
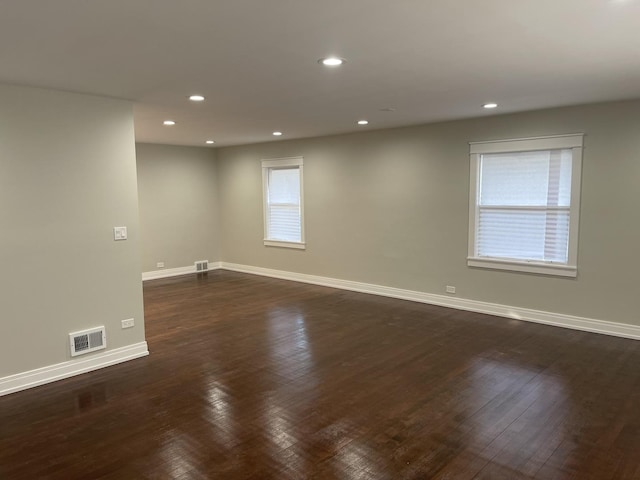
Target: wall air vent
{"points": [[202, 266], [87, 341]]}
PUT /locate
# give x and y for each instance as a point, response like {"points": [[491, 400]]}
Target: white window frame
{"points": [[573, 142], [277, 163]]}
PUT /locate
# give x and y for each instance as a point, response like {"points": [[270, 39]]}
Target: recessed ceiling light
{"points": [[277, 134], [196, 98], [168, 122], [363, 122], [331, 61], [490, 105], [210, 142]]}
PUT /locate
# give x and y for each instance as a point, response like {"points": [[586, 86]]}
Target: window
{"points": [[524, 204], [283, 206]]}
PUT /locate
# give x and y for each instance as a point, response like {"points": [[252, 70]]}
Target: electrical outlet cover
{"points": [[128, 323]]}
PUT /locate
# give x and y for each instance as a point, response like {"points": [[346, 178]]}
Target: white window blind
{"points": [[524, 205], [283, 202], [283, 208]]}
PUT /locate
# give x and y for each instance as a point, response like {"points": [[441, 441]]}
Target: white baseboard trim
{"points": [[174, 272], [51, 373], [507, 311]]}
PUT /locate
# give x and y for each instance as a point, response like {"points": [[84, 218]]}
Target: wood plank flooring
{"points": [[257, 378]]}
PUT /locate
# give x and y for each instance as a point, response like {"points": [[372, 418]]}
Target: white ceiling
{"points": [[256, 60]]}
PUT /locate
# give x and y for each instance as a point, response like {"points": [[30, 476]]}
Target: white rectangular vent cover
{"points": [[87, 341], [202, 266]]}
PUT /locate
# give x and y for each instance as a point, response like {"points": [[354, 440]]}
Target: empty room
{"points": [[320, 240]]}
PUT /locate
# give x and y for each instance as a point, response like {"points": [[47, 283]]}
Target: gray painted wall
{"points": [[178, 205], [390, 207], [67, 177]]}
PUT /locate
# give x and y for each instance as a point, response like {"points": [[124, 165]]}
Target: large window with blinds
{"points": [[283, 202], [525, 203]]}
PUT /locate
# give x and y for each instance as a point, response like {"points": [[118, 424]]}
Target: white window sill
{"points": [[281, 243], [523, 266]]}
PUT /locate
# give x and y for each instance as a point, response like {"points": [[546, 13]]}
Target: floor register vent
{"points": [[87, 341], [202, 266]]}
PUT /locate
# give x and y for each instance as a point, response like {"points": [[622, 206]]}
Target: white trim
{"points": [[556, 269], [573, 142], [282, 162], [277, 163], [537, 316], [552, 142], [52, 373], [474, 174], [574, 219], [282, 243], [174, 272]]}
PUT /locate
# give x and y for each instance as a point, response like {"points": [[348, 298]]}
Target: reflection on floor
{"points": [[256, 378]]}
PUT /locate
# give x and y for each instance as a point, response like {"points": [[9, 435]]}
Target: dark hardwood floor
{"points": [[256, 378]]}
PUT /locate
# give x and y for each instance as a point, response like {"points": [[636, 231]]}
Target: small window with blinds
{"points": [[524, 204], [283, 203]]}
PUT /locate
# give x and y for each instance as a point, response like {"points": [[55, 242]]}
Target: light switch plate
{"points": [[119, 233]]}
